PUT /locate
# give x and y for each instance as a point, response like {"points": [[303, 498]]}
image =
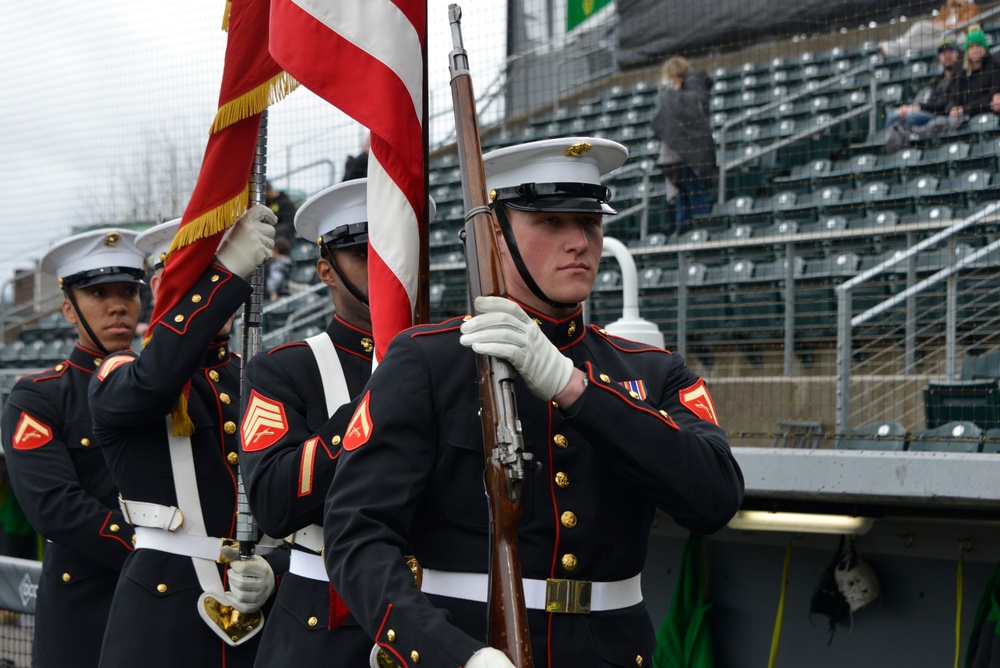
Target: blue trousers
{"points": [[914, 119], [692, 198]]}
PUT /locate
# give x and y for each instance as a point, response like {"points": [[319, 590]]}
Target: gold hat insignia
{"points": [[578, 149], [111, 239]]}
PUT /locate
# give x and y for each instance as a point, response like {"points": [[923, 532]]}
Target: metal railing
{"points": [[846, 322], [870, 107]]}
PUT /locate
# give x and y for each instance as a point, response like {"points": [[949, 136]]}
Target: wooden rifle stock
{"points": [[506, 460]]}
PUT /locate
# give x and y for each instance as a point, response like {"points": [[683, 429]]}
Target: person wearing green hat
{"points": [[927, 114], [976, 91]]}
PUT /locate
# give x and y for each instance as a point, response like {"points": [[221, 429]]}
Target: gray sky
{"points": [[100, 93]]}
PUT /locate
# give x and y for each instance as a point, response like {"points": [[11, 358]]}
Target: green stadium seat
{"points": [[975, 401], [950, 437], [982, 367], [889, 436]]}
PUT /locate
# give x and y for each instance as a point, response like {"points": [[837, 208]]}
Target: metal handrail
{"points": [[845, 321], [869, 107]]}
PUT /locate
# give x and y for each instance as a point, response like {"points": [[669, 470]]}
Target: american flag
{"points": [[366, 57]]}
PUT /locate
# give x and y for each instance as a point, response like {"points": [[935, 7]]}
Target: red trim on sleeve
{"points": [[128, 544], [633, 403], [399, 657]]}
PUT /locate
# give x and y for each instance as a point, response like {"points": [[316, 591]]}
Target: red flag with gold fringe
{"points": [[251, 80]]}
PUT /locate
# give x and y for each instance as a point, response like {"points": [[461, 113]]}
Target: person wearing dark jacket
{"points": [[688, 149], [979, 82], [933, 98], [618, 428], [927, 115], [54, 455]]}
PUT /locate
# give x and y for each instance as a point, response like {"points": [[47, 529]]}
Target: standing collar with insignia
{"points": [[85, 358], [351, 338], [564, 332]]}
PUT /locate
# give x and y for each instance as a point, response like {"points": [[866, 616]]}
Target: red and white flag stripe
{"points": [[366, 58]]}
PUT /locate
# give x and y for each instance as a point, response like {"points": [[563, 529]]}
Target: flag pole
{"points": [[246, 526]]}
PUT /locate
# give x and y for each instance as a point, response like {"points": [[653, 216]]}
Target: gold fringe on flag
{"points": [[212, 222], [225, 15], [254, 101], [183, 426]]}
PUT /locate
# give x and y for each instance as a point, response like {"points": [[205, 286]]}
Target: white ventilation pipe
{"points": [[630, 325]]}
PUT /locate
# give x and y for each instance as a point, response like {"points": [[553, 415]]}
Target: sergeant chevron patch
{"points": [[31, 433], [697, 399], [111, 364], [263, 424], [359, 429]]}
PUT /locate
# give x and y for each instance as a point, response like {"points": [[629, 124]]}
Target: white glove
{"points": [[504, 330], [249, 242], [489, 657], [250, 583]]}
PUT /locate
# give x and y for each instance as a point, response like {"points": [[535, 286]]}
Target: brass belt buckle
{"points": [[571, 596]]}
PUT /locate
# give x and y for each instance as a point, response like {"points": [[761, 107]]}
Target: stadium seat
{"points": [[10, 354], [975, 401], [945, 155], [815, 299], [876, 436], [608, 280], [736, 233], [780, 228], [950, 437], [708, 313], [935, 213], [982, 367], [921, 190]]}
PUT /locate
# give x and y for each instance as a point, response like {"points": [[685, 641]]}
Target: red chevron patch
{"points": [[359, 429], [31, 433], [111, 364], [697, 400], [264, 423]]}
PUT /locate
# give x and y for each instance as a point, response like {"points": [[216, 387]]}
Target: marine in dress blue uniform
{"points": [[57, 470], [155, 618], [291, 442], [618, 429]]}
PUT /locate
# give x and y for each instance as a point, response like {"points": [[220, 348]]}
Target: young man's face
{"points": [[353, 264], [111, 310], [561, 252], [948, 57]]}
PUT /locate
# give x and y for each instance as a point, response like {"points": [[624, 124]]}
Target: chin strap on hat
{"points": [[328, 256], [86, 325], [515, 255]]}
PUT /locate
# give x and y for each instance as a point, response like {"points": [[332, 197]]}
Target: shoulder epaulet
{"points": [[48, 374], [626, 345], [293, 344], [436, 328]]}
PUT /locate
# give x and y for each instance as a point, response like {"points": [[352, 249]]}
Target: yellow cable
{"points": [[781, 606], [958, 607]]}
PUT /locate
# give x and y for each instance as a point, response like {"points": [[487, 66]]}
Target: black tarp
{"points": [[651, 30]]}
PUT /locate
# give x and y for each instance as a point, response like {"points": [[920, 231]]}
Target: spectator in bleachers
{"points": [[687, 152], [923, 34], [356, 166], [930, 104], [278, 270], [976, 89], [284, 208]]}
